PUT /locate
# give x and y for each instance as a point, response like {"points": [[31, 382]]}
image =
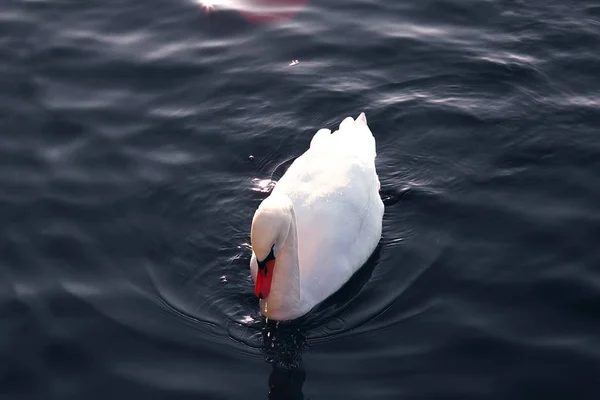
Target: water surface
{"points": [[139, 137]]}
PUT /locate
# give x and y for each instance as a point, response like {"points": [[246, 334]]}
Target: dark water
{"points": [[138, 137]]}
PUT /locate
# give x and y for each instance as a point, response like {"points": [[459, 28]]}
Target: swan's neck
{"points": [[284, 301]]}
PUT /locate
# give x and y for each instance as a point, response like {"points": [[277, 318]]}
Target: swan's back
{"points": [[335, 191]]}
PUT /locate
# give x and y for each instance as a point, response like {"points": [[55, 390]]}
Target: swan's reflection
{"points": [[283, 346], [285, 342]]}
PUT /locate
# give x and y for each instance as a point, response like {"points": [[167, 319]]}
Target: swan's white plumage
{"points": [[334, 190]]}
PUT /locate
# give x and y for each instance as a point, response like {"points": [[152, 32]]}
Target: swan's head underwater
{"points": [[270, 228]]}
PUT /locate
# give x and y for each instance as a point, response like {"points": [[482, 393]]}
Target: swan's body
{"points": [[320, 224]]}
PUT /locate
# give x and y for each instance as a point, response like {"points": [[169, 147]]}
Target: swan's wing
{"points": [[333, 185], [338, 212], [334, 188]]}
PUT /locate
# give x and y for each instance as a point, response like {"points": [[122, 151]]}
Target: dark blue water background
{"points": [[138, 137]]}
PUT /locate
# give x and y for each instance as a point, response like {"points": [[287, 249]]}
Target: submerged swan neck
{"points": [[284, 301]]}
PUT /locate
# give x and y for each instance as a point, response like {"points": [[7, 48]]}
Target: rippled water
{"points": [[139, 137]]}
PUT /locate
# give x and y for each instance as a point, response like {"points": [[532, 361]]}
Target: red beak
{"points": [[264, 277]]}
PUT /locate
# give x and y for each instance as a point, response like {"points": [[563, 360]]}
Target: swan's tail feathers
{"points": [[362, 119], [354, 125], [355, 134], [347, 123], [321, 137]]}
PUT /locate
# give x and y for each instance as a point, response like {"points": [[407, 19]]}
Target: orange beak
{"points": [[264, 277]]}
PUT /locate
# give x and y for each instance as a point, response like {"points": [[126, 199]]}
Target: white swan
{"points": [[320, 223]]}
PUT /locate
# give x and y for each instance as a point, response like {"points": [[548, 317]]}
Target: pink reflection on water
{"points": [[269, 11], [208, 5], [258, 11]]}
